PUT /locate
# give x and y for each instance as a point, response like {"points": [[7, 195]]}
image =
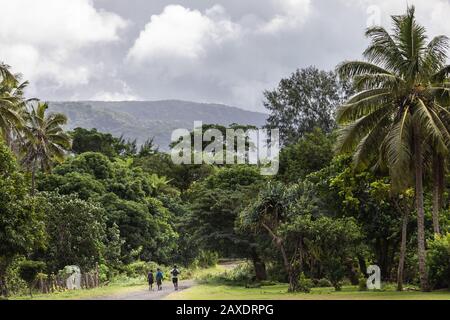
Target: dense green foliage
{"points": [[21, 227], [439, 261], [304, 101], [29, 270], [93, 141]]}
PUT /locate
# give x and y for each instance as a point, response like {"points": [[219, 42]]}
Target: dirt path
{"points": [[145, 294]]}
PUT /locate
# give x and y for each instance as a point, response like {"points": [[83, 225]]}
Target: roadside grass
{"points": [[279, 292], [118, 286], [216, 284]]}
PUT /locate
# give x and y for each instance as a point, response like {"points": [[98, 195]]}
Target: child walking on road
{"points": [[150, 280], [175, 272], [159, 278]]}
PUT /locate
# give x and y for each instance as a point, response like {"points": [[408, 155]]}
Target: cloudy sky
{"points": [[222, 51]]}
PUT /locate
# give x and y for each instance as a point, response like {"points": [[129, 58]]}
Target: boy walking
{"points": [[150, 280], [159, 278], [175, 272]]}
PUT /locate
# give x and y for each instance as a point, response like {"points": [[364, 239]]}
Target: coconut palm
{"points": [[397, 118], [438, 189], [11, 103], [45, 140]]}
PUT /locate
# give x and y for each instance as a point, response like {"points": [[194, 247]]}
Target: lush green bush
{"points": [[135, 269], [323, 283], [439, 261], [206, 259], [104, 273], [276, 272], [304, 284], [362, 283], [139, 269], [16, 285], [243, 274], [28, 271]]}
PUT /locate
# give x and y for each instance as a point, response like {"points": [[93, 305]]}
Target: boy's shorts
{"points": [[175, 280]]}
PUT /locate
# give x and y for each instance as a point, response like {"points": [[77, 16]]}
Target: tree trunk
{"points": [[293, 281], [259, 265], [5, 261], [438, 190], [418, 164], [33, 179], [362, 265], [401, 260], [3, 287]]}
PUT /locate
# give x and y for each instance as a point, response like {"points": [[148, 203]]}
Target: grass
{"points": [[215, 290], [279, 292], [214, 284], [121, 285]]}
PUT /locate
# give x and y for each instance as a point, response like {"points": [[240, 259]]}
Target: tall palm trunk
{"points": [[33, 179], [418, 163], [438, 190], [401, 260]]}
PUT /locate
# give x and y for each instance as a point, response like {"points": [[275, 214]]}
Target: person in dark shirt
{"points": [[175, 272], [150, 280], [159, 278]]}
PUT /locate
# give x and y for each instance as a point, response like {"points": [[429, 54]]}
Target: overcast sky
{"points": [[222, 51]]}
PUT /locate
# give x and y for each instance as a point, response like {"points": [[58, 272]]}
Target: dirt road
{"points": [[146, 294]]}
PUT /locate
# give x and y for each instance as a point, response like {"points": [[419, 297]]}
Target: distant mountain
{"points": [[145, 119]]}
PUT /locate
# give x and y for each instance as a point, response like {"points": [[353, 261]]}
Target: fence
{"points": [[55, 283]]}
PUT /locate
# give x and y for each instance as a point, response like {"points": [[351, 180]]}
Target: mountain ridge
{"points": [[142, 120]]}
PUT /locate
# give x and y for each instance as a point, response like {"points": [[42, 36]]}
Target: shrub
{"points": [[104, 274], [16, 285], [362, 283], [304, 284], [439, 261], [243, 273], [324, 283], [28, 271], [136, 269], [276, 272], [206, 259]]}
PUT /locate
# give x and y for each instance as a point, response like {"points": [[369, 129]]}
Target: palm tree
{"points": [[45, 140], [397, 119], [438, 189], [11, 103]]}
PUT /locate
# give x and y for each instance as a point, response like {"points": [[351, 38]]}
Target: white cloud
{"points": [[293, 14], [113, 96], [124, 93], [179, 32], [41, 38]]}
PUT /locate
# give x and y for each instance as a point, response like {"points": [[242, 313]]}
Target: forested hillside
{"points": [[147, 119]]}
